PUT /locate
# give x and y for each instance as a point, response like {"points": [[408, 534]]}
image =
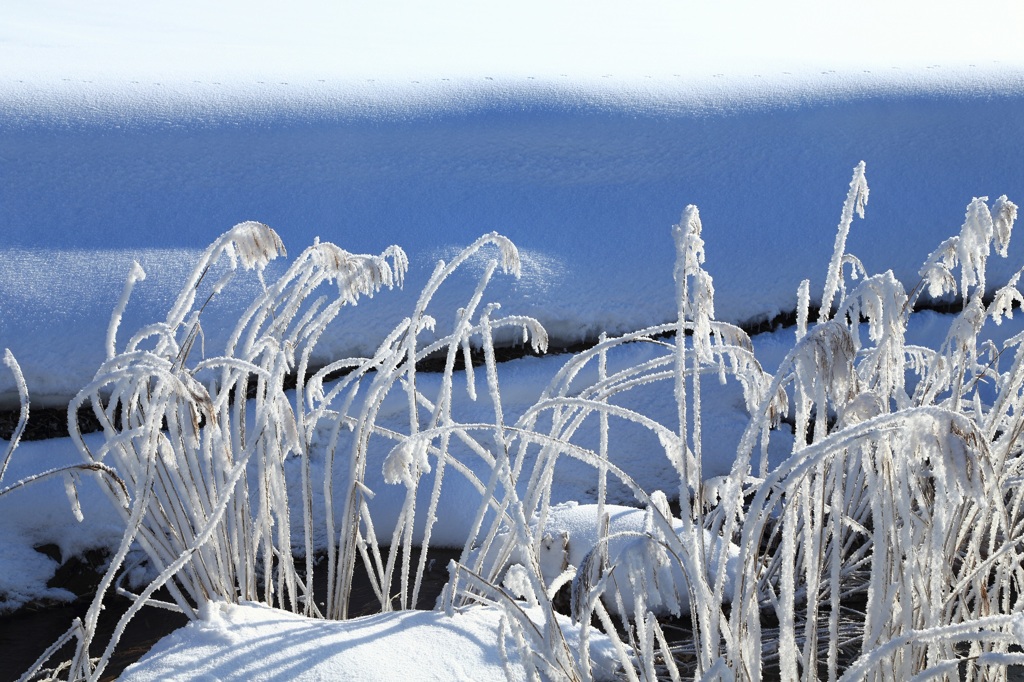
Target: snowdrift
{"points": [[141, 134], [246, 642]]}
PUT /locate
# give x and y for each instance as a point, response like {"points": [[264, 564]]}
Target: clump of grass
{"points": [[887, 545]]}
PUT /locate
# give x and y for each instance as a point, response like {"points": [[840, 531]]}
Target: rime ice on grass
{"points": [[886, 545]]}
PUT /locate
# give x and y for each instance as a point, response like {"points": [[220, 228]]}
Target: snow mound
{"points": [[254, 642]]}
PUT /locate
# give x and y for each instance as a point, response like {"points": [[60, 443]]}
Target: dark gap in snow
{"points": [[436, 362], [25, 634], [51, 422], [787, 319], [46, 422]]}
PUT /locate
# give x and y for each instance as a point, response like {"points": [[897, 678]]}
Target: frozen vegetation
{"points": [[840, 498], [867, 522]]}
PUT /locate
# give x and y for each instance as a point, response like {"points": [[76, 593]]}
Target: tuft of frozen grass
{"points": [[886, 546]]}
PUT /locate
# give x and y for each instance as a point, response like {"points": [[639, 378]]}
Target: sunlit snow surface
{"points": [[145, 132], [253, 642]]}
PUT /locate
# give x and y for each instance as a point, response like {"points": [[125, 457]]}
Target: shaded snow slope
{"points": [[132, 133]]}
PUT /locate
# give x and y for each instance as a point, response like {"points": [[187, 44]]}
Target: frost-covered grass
{"points": [[882, 541]]}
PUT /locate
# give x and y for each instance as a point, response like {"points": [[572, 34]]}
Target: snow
{"points": [[39, 514], [136, 132], [143, 133], [254, 642], [25, 574]]}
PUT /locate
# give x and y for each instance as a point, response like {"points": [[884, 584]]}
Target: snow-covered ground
{"points": [[579, 130], [253, 642]]}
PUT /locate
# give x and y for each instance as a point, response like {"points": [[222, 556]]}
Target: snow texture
{"points": [[141, 133], [138, 133], [253, 642]]}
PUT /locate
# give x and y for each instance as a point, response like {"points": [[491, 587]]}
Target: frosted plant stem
{"points": [[307, 486], [787, 586], [81, 665], [169, 571], [19, 429], [460, 334], [76, 630], [856, 199], [803, 302], [835, 567], [990, 627], [682, 295], [137, 274]]}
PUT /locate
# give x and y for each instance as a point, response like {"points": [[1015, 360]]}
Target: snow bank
{"points": [[143, 133], [254, 642]]}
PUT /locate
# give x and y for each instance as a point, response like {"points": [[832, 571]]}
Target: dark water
{"points": [[25, 635]]}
